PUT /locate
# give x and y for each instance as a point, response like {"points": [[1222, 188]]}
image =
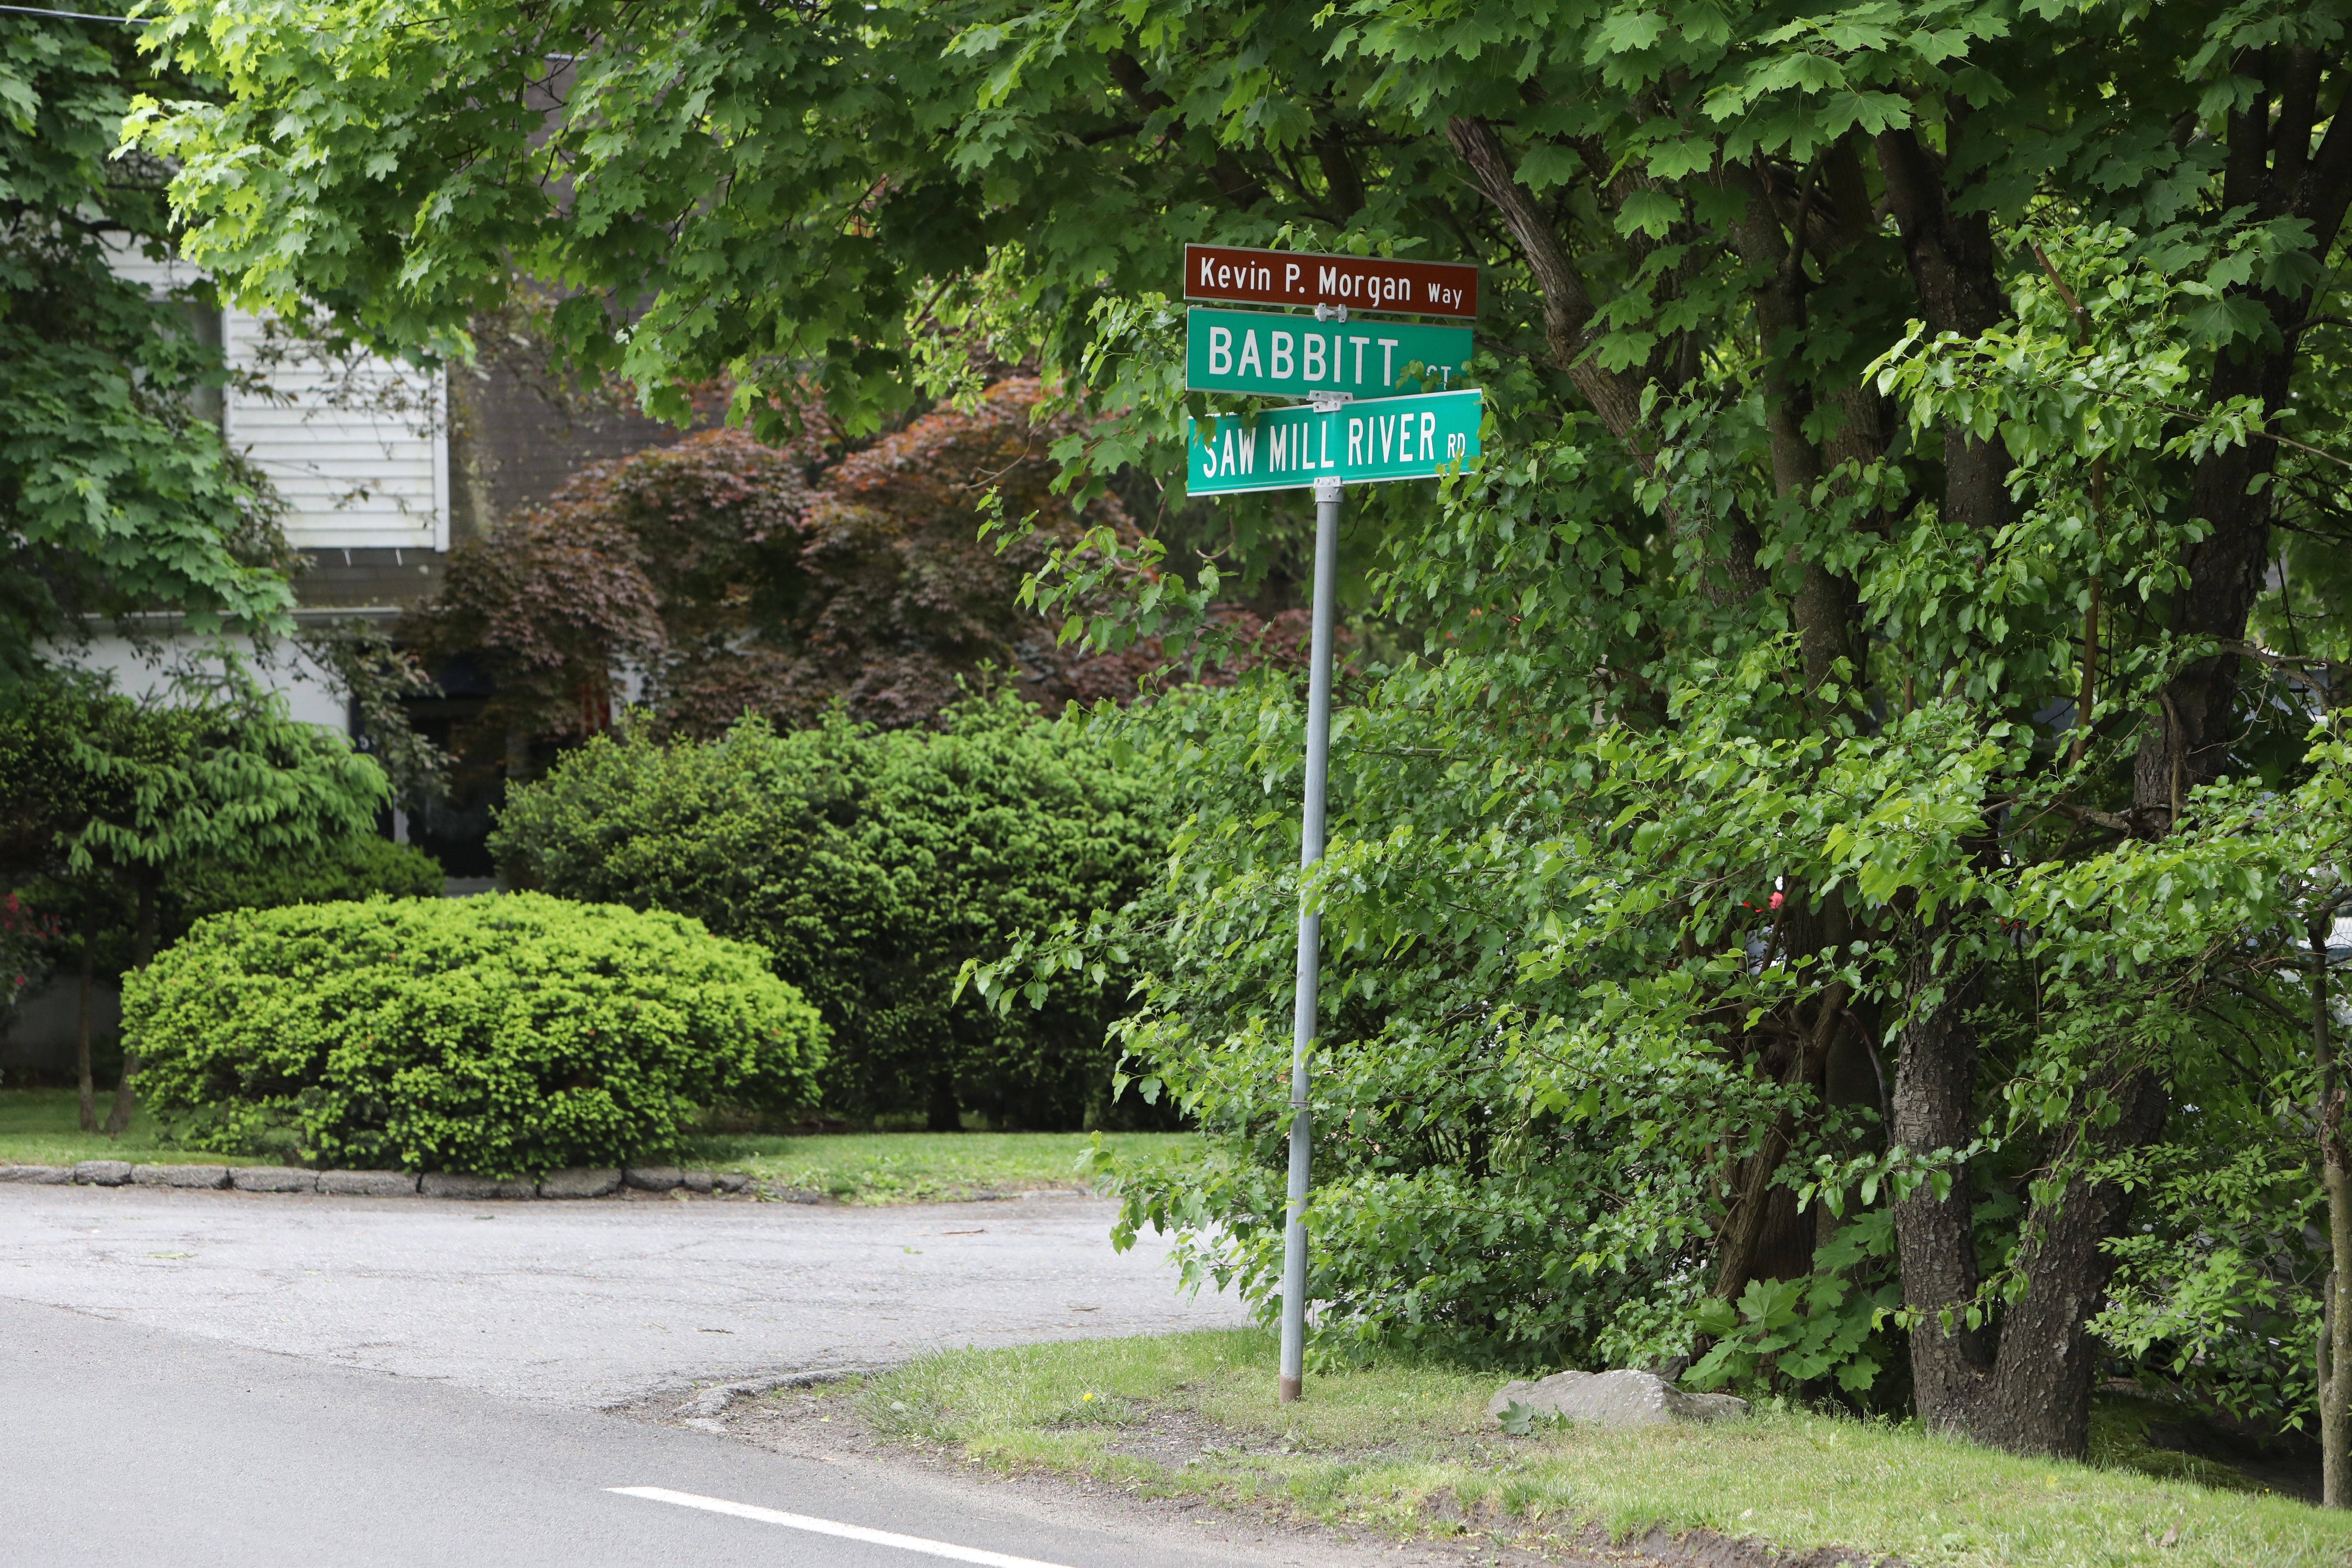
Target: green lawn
{"points": [[42, 1127], [1400, 1449], [38, 1127], [918, 1167]]}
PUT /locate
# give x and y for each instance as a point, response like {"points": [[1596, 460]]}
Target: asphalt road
{"points": [[585, 1304], [131, 1446], [197, 1378]]}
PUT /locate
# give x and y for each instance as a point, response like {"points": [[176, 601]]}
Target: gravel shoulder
{"points": [[824, 1424]]}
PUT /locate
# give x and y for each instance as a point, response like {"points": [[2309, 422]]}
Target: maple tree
{"points": [[117, 495], [1897, 412]]}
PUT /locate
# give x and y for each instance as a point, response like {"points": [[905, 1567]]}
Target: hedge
{"points": [[497, 1036], [341, 870], [870, 865]]}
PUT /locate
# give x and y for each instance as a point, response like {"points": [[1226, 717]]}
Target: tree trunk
{"points": [[82, 1005], [1766, 1237], [1828, 606], [1935, 1087], [1567, 307], [2023, 1383], [1954, 269], [2038, 1399], [1615, 396], [943, 1114], [2186, 742], [2335, 1348], [142, 949], [1951, 261], [2272, 171]]}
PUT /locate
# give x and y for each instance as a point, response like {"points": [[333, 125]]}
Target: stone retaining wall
{"points": [[573, 1184]]}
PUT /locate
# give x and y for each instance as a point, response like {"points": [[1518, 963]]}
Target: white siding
{"points": [[309, 692], [135, 266], [359, 448]]}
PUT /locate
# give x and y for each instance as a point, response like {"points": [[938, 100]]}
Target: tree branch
{"points": [[1568, 308], [1234, 183]]}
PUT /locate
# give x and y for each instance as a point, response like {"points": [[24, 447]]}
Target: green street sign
{"points": [[1356, 443], [1291, 356]]}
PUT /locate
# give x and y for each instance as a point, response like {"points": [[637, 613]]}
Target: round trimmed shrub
{"points": [[497, 1036]]}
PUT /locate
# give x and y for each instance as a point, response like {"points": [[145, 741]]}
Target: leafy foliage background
{"points": [[869, 866], [1865, 743]]}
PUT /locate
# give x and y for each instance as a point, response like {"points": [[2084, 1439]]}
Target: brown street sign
{"points": [[1299, 277]]}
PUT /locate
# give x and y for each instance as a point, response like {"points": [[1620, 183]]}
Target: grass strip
{"points": [[1401, 1446], [40, 1127], [43, 1127], [920, 1167]]}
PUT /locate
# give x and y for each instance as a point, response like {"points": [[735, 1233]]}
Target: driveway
{"points": [[586, 1304]]}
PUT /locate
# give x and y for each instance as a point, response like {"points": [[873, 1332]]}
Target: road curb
{"points": [[568, 1185], [705, 1411]]}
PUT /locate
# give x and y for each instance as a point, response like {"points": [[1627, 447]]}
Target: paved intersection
{"points": [[249, 1379], [589, 1303]]}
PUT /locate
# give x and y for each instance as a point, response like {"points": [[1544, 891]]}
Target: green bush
{"points": [[871, 864], [341, 870], [494, 1035]]}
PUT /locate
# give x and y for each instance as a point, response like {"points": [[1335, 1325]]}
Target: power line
{"points": [[78, 16]]}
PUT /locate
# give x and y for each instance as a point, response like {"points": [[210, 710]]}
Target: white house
{"points": [[358, 449], [383, 467]]}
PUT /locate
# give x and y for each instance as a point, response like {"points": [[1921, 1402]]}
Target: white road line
{"points": [[834, 1527]]}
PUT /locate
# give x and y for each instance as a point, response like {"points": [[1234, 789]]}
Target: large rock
{"points": [[450, 1184], [1612, 1399], [205, 1176], [579, 1181], [732, 1182], [653, 1178], [368, 1184], [102, 1173], [43, 1175], [273, 1179], [694, 1181]]}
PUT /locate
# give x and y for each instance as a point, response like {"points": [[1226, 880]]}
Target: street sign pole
{"points": [[1328, 493], [1393, 434]]}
